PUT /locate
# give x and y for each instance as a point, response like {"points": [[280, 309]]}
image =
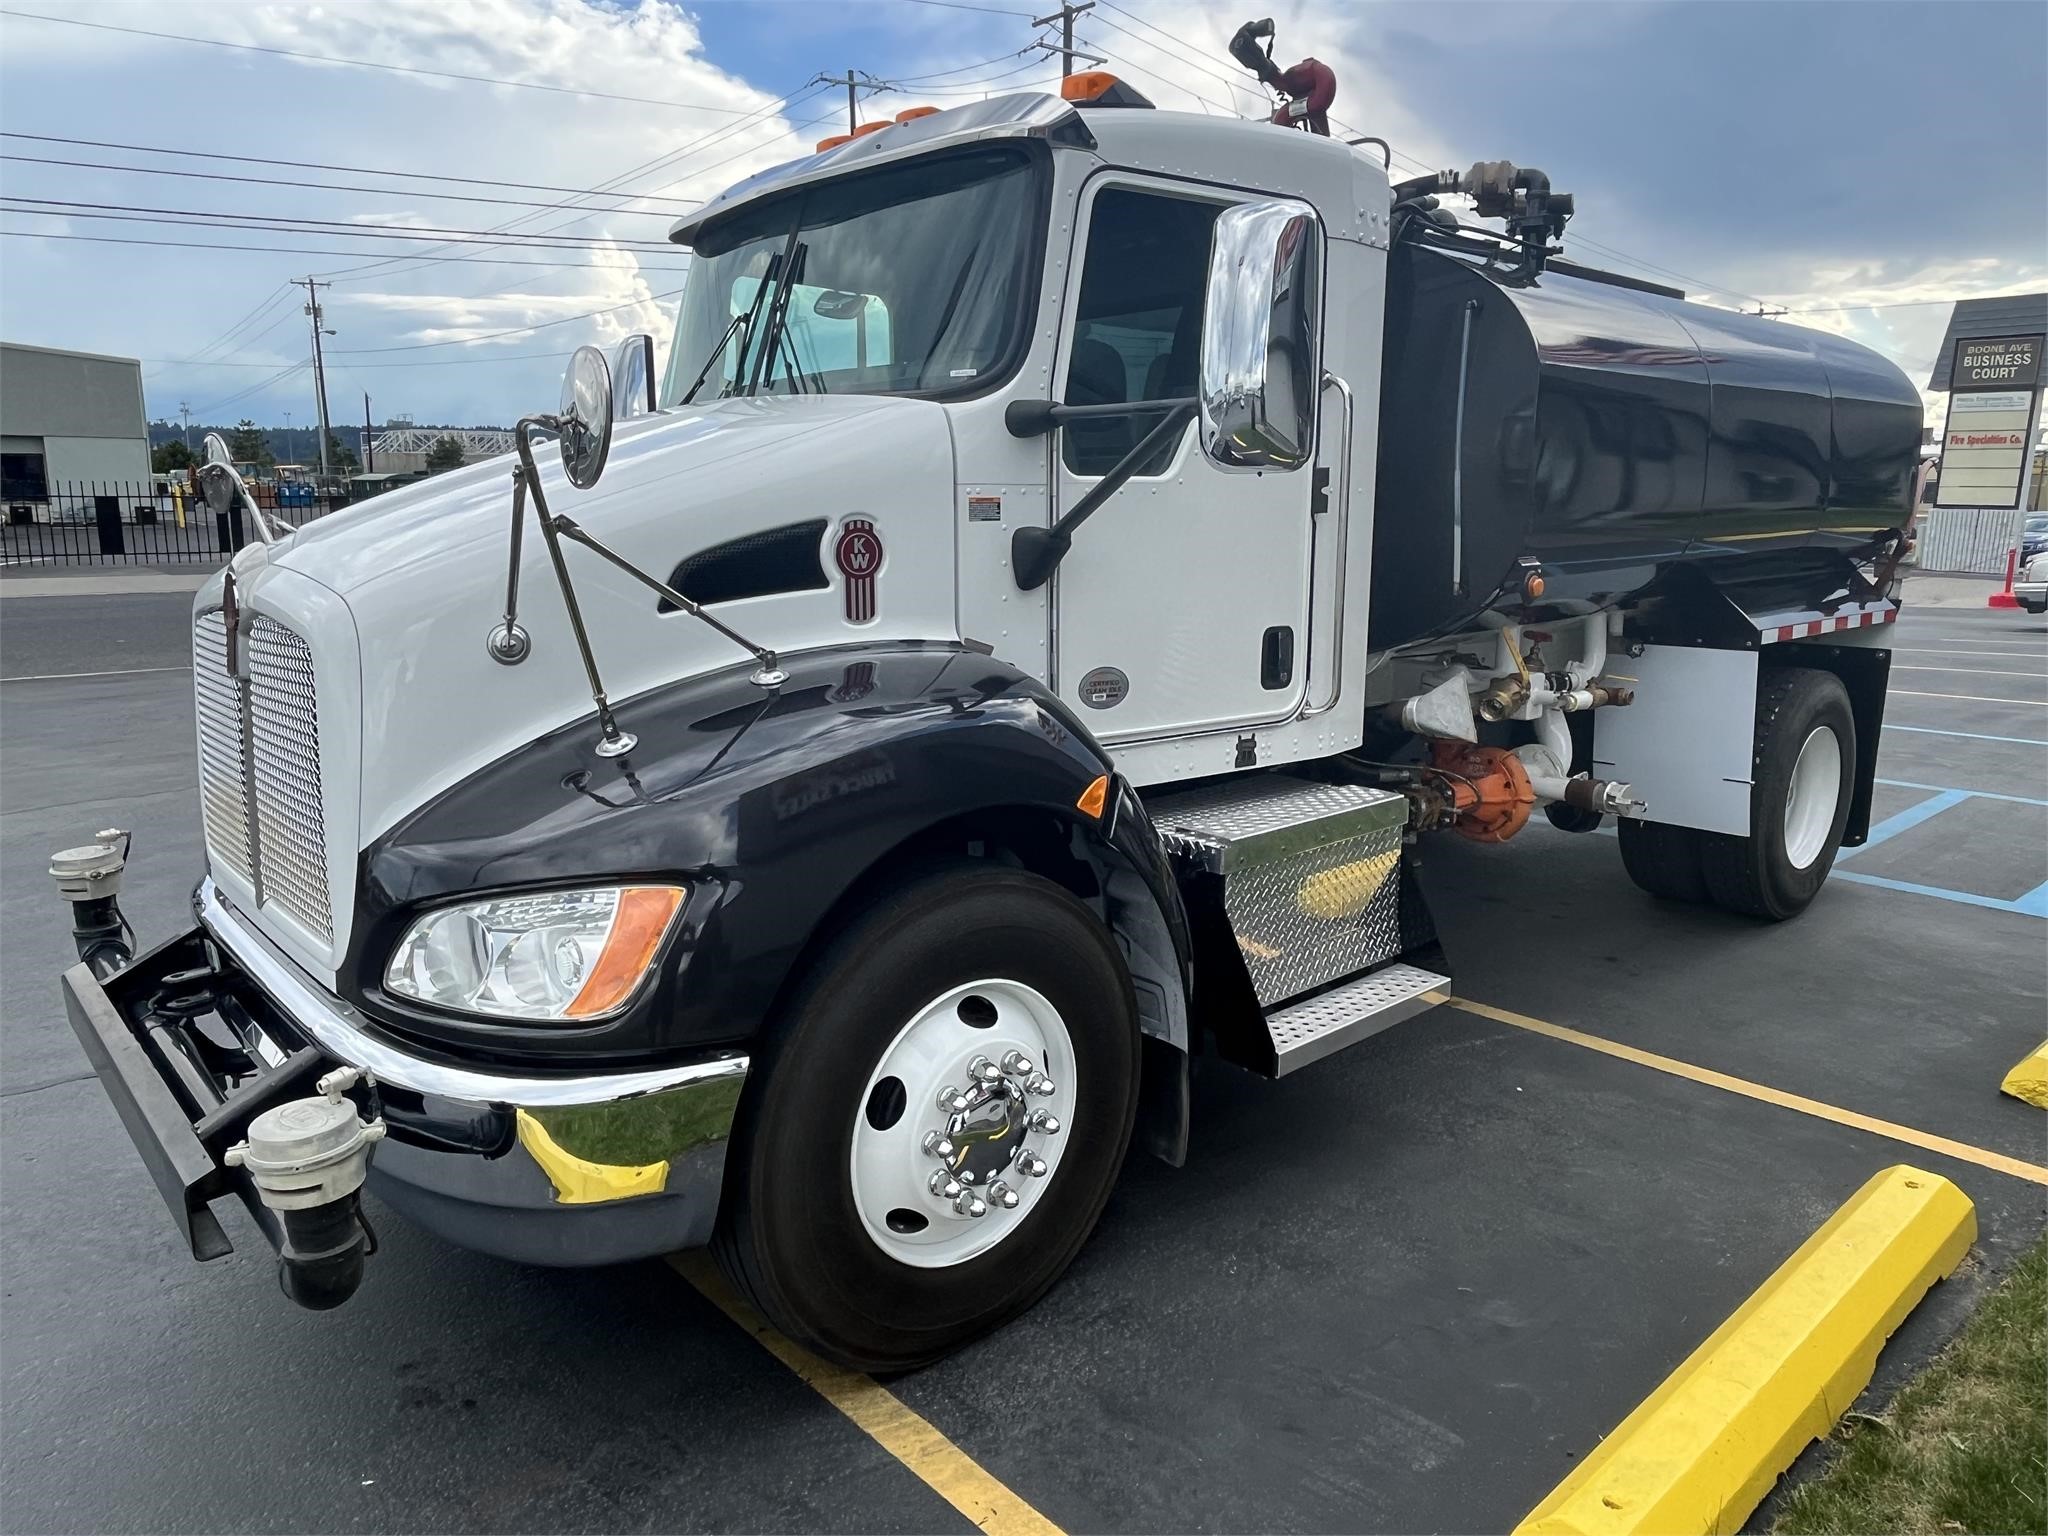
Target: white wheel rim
{"points": [[985, 1153], [1815, 791]]}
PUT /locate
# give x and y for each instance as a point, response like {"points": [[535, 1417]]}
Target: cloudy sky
{"points": [[1854, 163]]}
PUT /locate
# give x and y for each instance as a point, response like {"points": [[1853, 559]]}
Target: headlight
{"points": [[559, 955]]}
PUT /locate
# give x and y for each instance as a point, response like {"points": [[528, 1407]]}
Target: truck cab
{"points": [[1075, 558]]}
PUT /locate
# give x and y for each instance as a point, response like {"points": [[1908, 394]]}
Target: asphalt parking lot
{"points": [[1401, 1291]]}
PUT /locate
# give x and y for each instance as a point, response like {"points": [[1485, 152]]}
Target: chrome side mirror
{"points": [[633, 378], [1261, 330], [584, 422]]}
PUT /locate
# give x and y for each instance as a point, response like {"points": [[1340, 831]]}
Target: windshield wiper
{"points": [[778, 317], [744, 320]]}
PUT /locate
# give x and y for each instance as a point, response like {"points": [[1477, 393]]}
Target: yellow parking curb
{"points": [[2028, 1079], [1705, 1447]]}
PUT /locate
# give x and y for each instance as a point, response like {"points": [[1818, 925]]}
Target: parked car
{"points": [[2032, 588], [2033, 536]]}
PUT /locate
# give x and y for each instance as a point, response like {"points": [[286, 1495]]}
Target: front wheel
{"points": [[935, 1126], [1802, 779]]}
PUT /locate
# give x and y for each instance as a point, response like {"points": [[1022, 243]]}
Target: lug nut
{"points": [[1019, 1063], [1033, 1166], [1039, 1083], [1003, 1195], [970, 1204], [943, 1184], [967, 1176], [1045, 1120], [952, 1100], [984, 1069], [937, 1146]]}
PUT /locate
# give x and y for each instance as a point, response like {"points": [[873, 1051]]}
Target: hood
{"points": [[767, 487]]}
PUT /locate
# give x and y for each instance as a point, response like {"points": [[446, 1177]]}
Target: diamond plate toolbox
{"points": [[1310, 873]]}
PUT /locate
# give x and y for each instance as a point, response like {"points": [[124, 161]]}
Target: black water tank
{"points": [[1607, 432]]}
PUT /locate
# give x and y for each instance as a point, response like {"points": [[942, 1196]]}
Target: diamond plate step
{"points": [[1309, 1031]]}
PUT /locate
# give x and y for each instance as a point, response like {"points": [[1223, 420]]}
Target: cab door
{"points": [[1183, 605]]}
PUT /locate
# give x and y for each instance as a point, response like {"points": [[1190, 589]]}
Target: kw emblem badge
{"points": [[859, 555]]}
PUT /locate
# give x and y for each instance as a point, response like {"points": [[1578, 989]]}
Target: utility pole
{"points": [[368, 462], [319, 369], [852, 80], [185, 411], [1067, 51]]}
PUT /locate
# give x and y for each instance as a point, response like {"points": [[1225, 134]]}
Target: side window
{"points": [[1138, 327]]}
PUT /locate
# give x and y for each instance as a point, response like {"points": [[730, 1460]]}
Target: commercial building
{"points": [[69, 420]]}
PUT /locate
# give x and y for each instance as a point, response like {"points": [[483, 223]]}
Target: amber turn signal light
{"points": [[1093, 798]]}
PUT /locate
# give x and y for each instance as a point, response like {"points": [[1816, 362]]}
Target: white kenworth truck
{"points": [[819, 803]]}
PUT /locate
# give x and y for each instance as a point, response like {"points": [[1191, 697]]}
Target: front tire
{"points": [[831, 1221], [1802, 780]]}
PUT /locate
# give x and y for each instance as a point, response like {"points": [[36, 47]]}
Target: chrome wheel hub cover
{"points": [[961, 1128]]}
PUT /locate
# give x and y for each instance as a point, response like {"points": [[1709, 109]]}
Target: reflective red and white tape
{"points": [[1787, 626]]}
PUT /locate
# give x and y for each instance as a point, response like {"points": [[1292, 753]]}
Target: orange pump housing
{"points": [[1487, 788]]}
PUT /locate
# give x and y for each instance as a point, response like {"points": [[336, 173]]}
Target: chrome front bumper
{"points": [[543, 1168]]}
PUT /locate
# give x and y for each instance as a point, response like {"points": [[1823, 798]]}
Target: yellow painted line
{"points": [[1925, 1140], [946, 1469], [2028, 1080], [1705, 1447]]}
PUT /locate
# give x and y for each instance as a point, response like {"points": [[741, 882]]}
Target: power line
{"points": [[301, 250], [242, 394], [402, 69], [521, 330], [688, 147], [443, 362], [325, 186], [962, 5], [322, 165], [282, 223]]}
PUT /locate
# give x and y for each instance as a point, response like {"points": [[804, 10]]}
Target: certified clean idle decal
{"points": [[859, 555], [1104, 688]]}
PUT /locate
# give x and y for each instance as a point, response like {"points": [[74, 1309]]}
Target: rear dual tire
{"points": [[1802, 780]]}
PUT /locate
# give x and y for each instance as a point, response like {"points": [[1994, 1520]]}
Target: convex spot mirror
{"points": [[1261, 329], [584, 422], [221, 483]]}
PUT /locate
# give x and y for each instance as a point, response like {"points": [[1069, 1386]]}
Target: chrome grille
{"points": [[259, 765], [223, 764], [284, 777]]}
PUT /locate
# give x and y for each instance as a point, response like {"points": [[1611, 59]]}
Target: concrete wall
{"points": [[82, 411]]}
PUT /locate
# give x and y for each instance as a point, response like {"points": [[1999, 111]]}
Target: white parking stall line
{"points": [[1923, 650], [1972, 671], [54, 677], [1968, 698]]}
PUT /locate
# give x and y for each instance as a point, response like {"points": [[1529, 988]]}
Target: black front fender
{"points": [[769, 806]]}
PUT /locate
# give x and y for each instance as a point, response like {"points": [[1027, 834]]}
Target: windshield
{"points": [[910, 279]]}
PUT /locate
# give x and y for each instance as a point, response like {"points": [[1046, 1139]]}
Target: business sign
{"points": [[1986, 446], [2011, 362]]}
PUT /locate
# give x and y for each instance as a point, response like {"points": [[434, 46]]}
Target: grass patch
{"points": [[1963, 1447]]}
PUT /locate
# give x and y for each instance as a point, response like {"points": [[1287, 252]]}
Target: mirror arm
{"points": [[768, 675], [1035, 553], [1035, 418], [613, 742], [509, 644]]}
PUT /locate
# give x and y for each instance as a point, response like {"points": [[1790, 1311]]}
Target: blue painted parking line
{"points": [[1906, 820], [2033, 904], [1967, 794], [1923, 730]]}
